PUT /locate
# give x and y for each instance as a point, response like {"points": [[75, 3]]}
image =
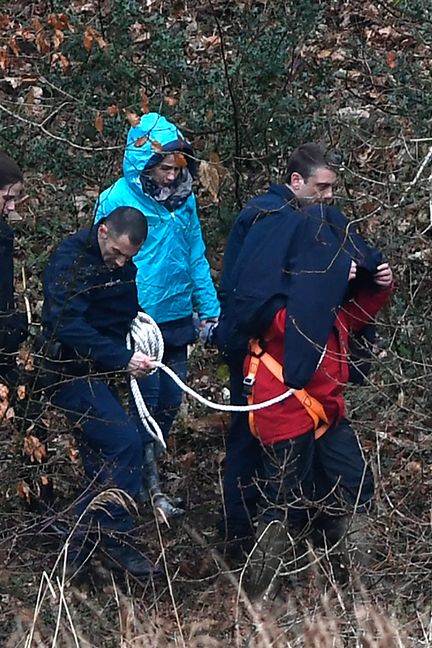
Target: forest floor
{"points": [[201, 602]]}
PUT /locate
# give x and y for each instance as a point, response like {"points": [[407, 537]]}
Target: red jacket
{"points": [[289, 418]]}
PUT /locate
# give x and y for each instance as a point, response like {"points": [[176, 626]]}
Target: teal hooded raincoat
{"points": [[173, 277]]}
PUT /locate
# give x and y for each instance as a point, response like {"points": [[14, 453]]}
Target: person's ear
{"points": [[296, 181], [103, 230]]}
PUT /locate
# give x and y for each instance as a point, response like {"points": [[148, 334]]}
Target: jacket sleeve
{"points": [[67, 303], [13, 324], [204, 298], [6, 267], [363, 308]]}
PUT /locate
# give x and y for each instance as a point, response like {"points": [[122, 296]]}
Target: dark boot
{"points": [[78, 558], [332, 539], [168, 508], [360, 544], [334, 532], [267, 559], [348, 540], [125, 557]]}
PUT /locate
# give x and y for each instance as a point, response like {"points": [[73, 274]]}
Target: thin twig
{"points": [[91, 149]]}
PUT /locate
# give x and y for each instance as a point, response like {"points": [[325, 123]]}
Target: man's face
{"points": [[8, 195], [116, 251], [318, 187], [166, 171]]}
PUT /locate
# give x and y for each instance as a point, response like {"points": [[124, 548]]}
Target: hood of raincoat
{"points": [[147, 144]]}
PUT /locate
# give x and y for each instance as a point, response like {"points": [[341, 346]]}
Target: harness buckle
{"points": [[248, 383], [257, 348]]}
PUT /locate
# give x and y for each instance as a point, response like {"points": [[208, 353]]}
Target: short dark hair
{"points": [[10, 173], [306, 158], [129, 221]]}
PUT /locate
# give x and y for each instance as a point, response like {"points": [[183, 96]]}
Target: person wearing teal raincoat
{"points": [[173, 277]]}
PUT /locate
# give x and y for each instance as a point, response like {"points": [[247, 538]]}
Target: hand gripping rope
{"points": [[147, 338]]}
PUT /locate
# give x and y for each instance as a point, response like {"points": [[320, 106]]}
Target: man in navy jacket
{"points": [[90, 302], [275, 257]]}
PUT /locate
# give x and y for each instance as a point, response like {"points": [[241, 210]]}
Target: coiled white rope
{"points": [[148, 339]]}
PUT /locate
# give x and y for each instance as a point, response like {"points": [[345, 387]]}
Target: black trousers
{"points": [[307, 479]]}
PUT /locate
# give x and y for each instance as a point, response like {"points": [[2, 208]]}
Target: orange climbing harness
{"points": [[312, 406]]}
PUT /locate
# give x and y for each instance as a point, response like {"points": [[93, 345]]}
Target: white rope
{"points": [[219, 406], [148, 339]]}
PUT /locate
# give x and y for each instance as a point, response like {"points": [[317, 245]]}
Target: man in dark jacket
{"points": [[274, 259], [90, 302]]}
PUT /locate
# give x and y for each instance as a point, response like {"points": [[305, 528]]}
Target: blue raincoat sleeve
{"points": [[65, 308], [204, 298]]}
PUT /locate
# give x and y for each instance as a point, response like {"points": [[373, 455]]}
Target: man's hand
{"points": [[353, 271], [383, 276], [140, 364]]}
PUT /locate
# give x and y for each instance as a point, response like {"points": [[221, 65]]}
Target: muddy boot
{"points": [[360, 541], [267, 559], [332, 539], [167, 507], [334, 532], [348, 540]]}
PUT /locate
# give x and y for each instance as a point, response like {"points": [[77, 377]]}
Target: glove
{"points": [[206, 333]]}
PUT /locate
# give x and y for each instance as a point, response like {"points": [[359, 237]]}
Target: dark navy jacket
{"points": [[6, 267], [88, 308], [283, 254], [13, 324]]}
